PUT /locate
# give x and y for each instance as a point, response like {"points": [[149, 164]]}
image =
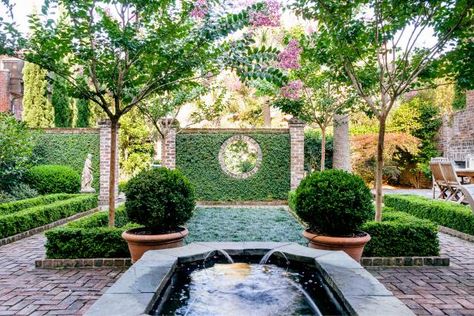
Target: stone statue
{"points": [[87, 177]]}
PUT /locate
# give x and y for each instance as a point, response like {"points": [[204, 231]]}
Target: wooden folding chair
{"points": [[438, 178], [451, 181]]}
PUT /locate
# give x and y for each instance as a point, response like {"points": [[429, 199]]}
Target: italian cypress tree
{"points": [[60, 101], [37, 111], [83, 113]]}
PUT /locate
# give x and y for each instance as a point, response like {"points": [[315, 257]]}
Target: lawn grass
{"points": [[244, 224]]}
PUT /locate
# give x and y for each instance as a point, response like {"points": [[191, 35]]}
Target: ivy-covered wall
{"points": [[197, 157], [68, 147]]}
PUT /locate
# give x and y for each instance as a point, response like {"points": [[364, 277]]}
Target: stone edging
{"points": [[404, 261], [43, 228], [83, 263], [126, 262], [456, 233]]}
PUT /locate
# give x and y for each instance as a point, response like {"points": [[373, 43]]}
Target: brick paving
{"points": [[25, 290], [440, 290]]}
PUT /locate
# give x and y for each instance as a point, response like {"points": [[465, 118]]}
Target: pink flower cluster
{"points": [[200, 9], [289, 58], [292, 90], [269, 16]]}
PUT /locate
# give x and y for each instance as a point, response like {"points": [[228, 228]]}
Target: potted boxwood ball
{"points": [[161, 200], [334, 204]]}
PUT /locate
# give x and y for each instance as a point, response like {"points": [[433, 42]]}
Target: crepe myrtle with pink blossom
{"points": [[292, 90], [200, 9], [289, 58], [269, 16]]}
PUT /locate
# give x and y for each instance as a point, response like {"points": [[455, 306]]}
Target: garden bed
{"points": [[448, 214], [21, 216]]}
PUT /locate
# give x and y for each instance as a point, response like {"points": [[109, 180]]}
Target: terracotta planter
{"points": [[139, 243], [353, 246]]}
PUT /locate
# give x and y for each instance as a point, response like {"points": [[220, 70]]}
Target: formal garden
{"points": [[199, 157]]}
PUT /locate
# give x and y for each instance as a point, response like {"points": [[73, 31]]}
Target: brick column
{"points": [[104, 134], [4, 90], [297, 151], [168, 143]]}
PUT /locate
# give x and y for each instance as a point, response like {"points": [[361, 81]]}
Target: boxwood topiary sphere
{"points": [[334, 202], [48, 179], [160, 198]]}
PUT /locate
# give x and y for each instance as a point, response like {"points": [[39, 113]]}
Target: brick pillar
{"points": [[104, 134], [297, 151], [4, 90], [168, 143], [470, 99]]}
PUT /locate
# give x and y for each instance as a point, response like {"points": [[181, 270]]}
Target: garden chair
{"points": [[438, 178], [451, 181]]}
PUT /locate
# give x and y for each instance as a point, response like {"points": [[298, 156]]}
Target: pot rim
{"points": [[335, 239], [129, 236]]}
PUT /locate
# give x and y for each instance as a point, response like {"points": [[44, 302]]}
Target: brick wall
{"points": [[297, 152], [104, 132], [11, 85], [456, 139], [5, 102], [168, 149]]}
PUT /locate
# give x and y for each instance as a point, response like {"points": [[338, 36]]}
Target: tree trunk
{"points": [[323, 148], [341, 143], [112, 171], [267, 118], [379, 170]]}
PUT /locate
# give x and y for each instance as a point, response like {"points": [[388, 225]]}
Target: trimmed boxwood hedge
{"points": [[89, 237], [50, 179], [15, 206], [29, 218], [401, 234], [197, 157], [449, 214]]}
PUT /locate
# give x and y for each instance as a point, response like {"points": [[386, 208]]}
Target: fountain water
{"points": [[221, 251]]}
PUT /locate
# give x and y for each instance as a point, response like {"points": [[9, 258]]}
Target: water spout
{"points": [[221, 251], [309, 300], [267, 256]]}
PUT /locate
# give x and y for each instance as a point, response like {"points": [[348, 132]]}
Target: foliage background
{"points": [[197, 157], [69, 150]]}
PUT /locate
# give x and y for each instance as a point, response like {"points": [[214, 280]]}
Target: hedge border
{"points": [[448, 214], [37, 216], [15, 206]]}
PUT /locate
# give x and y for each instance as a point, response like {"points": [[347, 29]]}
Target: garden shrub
{"points": [[197, 157], [333, 202], [160, 198], [89, 237], [48, 179], [69, 150], [15, 206], [449, 214], [29, 218], [401, 234]]}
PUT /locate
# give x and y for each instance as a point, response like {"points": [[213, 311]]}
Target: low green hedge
{"points": [[29, 218], [449, 214], [15, 206], [90, 237], [401, 234], [47, 179]]}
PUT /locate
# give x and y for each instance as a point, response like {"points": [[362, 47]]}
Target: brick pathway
{"points": [[436, 291], [25, 290]]}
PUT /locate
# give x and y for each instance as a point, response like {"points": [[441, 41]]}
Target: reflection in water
{"points": [[239, 289]]}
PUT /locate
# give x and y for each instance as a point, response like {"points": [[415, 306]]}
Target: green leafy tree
{"points": [[37, 111], [61, 104], [83, 113], [119, 59], [363, 38], [16, 149]]}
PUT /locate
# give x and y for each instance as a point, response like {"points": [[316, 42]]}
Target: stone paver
{"points": [[25, 290], [436, 291]]}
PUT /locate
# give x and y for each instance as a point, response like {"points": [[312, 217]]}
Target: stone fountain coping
{"points": [[137, 290]]}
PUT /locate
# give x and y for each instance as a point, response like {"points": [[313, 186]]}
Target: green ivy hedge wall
{"points": [[197, 157], [69, 149]]}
